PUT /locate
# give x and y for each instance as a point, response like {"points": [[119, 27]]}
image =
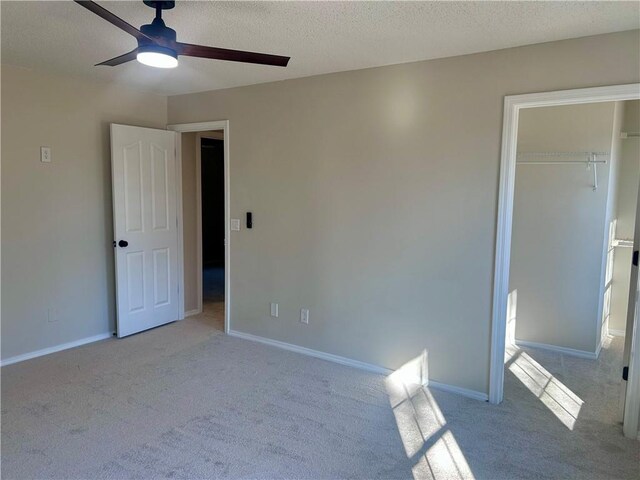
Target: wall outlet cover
{"points": [[45, 154], [53, 315]]}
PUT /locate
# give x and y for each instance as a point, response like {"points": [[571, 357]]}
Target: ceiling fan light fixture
{"points": [[156, 56], [158, 46]]}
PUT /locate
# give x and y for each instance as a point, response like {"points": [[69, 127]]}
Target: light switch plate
{"points": [[45, 154], [235, 224], [304, 315], [274, 309], [53, 315]]}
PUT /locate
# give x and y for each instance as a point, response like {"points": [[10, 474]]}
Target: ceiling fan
{"points": [[158, 47]]}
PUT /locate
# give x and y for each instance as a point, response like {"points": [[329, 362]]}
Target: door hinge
{"points": [[635, 258], [625, 373]]}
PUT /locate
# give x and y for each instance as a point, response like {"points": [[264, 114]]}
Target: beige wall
{"points": [[629, 171], [189, 221], [374, 194], [559, 226], [56, 218]]}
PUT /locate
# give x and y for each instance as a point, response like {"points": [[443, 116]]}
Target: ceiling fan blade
{"points": [[113, 19], [231, 55], [124, 58]]}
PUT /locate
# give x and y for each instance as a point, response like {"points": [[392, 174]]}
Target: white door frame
{"points": [[201, 127], [512, 106]]}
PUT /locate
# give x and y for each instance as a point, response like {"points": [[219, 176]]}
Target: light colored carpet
{"points": [[212, 314], [186, 401]]}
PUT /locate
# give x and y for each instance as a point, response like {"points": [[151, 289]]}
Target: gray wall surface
{"points": [[57, 227], [189, 220], [374, 195], [559, 226]]}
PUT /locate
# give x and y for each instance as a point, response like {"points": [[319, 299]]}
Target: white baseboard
{"points": [[465, 392], [555, 348], [617, 333], [313, 353], [193, 312], [353, 363], [57, 348], [597, 354]]}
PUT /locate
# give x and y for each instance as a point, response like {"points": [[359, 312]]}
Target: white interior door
{"points": [[146, 237]]}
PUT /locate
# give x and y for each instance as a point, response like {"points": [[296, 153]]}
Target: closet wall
{"points": [[559, 226], [627, 198]]}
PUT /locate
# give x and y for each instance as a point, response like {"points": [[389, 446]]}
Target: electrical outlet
{"points": [[52, 315], [304, 315], [45, 154], [274, 309]]}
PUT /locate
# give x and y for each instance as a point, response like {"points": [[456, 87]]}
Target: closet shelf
{"points": [[620, 242]]}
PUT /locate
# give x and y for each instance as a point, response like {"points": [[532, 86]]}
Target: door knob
{"points": [[123, 243]]}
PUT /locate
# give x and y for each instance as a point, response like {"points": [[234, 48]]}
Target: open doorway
{"points": [[564, 291], [212, 235], [202, 152], [575, 197]]}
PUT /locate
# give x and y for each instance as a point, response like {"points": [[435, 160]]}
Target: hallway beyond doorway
{"points": [[212, 284]]}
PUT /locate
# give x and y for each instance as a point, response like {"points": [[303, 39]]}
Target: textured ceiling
{"points": [[321, 37]]}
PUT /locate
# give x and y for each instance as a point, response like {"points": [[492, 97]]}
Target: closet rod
{"points": [[591, 159], [562, 154], [560, 162]]}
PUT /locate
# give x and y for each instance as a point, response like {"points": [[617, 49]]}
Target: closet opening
{"points": [[570, 307]]}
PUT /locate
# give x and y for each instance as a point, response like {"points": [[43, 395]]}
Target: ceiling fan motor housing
{"points": [[163, 5], [157, 29]]}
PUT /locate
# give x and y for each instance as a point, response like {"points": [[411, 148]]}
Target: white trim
{"points": [[554, 348], [199, 268], [512, 106], [465, 392], [57, 348], [352, 363], [616, 333], [180, 226], [598, 348], [193, 312], [227, 230], [199, 127]]}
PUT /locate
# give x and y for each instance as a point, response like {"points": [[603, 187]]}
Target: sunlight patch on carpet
{"points": [[423, 428]]}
